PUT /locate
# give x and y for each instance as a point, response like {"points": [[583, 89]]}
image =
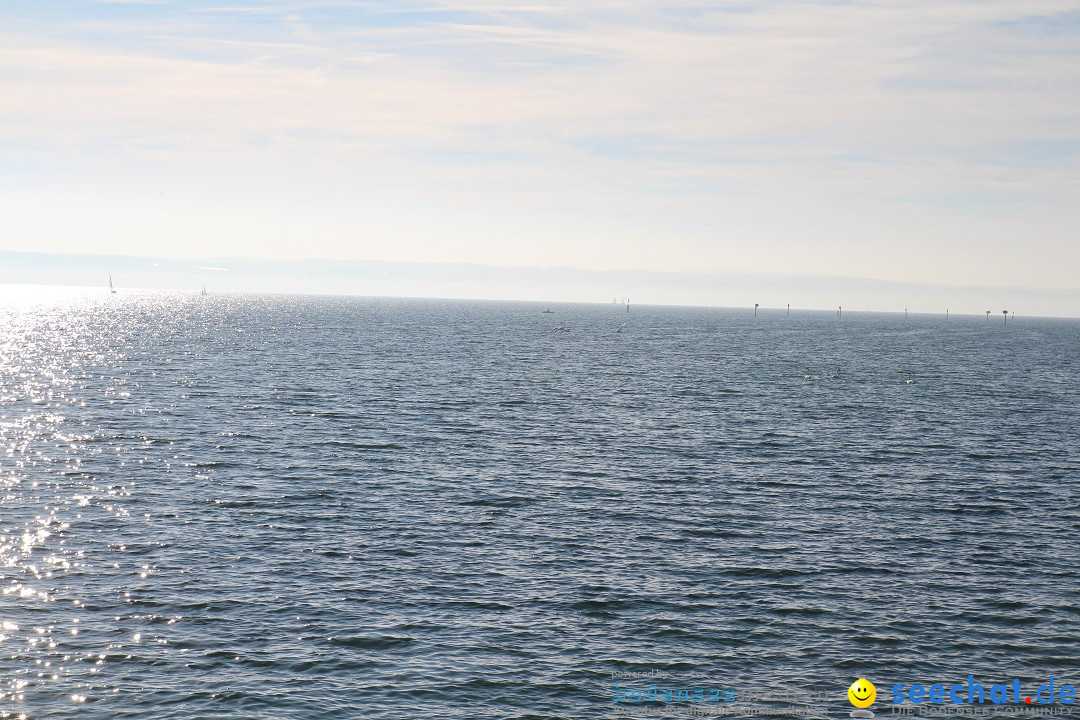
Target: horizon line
{"points": [[749, 308]]}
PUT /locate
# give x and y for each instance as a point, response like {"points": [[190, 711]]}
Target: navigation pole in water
{"points": [[755, 309]]}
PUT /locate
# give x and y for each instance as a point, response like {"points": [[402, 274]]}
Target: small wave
{"points": [[503, 502], [368, 642]]}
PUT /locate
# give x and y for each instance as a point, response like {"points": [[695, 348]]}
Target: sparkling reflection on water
{"points": [[285, 507]]}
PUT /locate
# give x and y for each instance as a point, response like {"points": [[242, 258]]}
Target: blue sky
{"points": [[912, 141]]}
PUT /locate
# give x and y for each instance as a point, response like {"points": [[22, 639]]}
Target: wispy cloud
{"points": [[769, 135]]}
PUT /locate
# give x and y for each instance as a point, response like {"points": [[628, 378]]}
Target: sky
{"points": [[135, 276], [917, 141]]}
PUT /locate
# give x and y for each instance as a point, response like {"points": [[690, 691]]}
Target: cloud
{"points": [[766, 135]]}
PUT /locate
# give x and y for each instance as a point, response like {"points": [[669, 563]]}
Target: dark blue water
{"points": [[287, 507]]}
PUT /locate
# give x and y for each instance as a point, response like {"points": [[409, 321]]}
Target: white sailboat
{"points": [[111, 288], [204, 293]]}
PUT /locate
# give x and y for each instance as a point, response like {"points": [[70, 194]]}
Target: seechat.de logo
{"points": [[973, 693]]}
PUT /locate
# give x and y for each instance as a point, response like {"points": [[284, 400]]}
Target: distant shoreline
{"points": [[465, 281]]}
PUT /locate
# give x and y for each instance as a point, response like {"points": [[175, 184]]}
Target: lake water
{"points": [[316, 507]]}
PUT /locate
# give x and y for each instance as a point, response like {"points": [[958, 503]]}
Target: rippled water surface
{"points": [[298, 507]]}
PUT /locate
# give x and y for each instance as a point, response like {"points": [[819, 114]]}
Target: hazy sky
{"points": [[916, 140]]}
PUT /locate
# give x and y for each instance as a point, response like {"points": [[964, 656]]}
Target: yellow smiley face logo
{"points": [[862, 693]]}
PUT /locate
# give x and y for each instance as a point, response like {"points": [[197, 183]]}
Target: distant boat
{"points": [[547, 312], [204, 293], [111, 288]]}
